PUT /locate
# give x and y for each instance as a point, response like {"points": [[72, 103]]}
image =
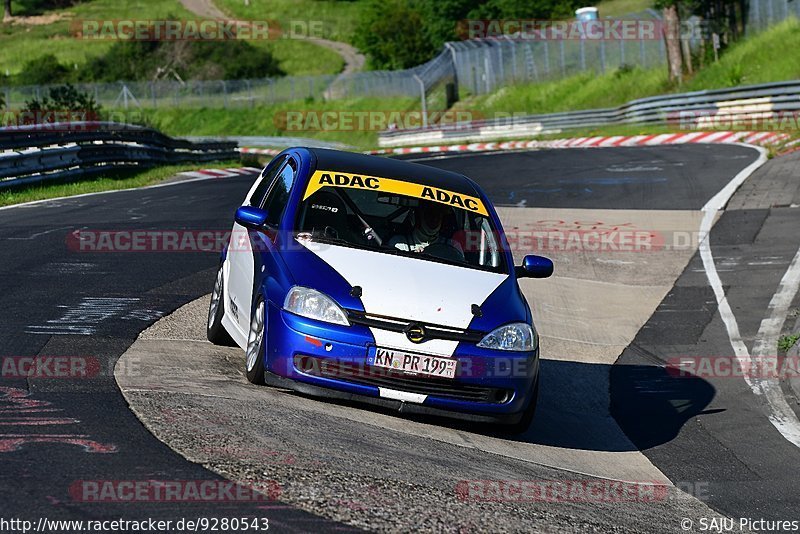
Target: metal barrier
{"points": [[44, 152], [696, 110]]}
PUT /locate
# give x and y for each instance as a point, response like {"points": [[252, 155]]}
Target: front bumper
{"points": [[490, 386]]}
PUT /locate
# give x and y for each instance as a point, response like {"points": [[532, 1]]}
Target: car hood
{"points": [[410, 289]]}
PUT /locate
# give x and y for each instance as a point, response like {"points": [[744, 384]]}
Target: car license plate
{"points": [[421, 364]]}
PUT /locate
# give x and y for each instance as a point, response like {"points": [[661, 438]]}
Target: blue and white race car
{"points": [[378, 280]]}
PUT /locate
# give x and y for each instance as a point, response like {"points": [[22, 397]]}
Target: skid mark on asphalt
{"points": [[612, 268], [83, 318], [18, 409]]}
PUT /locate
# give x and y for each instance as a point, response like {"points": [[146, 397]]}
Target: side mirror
{"points": [[250, 217], [534, 267]]}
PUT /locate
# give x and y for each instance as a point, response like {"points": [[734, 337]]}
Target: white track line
{"points": [[779, 413], [782, 416]]}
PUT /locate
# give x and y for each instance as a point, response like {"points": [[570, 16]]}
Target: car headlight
{"points": [[314, 305], [514, 336]]}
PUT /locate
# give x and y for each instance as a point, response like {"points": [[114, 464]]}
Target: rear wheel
{"points": [[215, 332], [254, 355]]}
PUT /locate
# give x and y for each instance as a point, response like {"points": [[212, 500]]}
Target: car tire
{"points": [[215, 332], [254, 354], [527, 416]]}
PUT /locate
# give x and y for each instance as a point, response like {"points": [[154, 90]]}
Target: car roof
{"points": [[354, 163]]}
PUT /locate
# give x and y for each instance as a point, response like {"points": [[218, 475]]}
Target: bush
{"points": [[43, 70], [65, 98], [208, 60]]}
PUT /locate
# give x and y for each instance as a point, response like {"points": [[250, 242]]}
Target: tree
{"points": [[672, 37], [391, 33], [6, 10]]}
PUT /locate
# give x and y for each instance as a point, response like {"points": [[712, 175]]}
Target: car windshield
{"points": [[453, 229]]}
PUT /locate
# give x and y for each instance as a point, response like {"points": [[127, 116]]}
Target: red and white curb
{"points": [[220, 173], [260, 151], [755, 138]]}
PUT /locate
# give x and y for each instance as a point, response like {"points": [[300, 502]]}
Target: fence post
{"points": [[424, 103], [563, 59], [642, 54], [486, 66], [501, 78], [546, 58], [755, 11], [603, 56], [153, 93], [513, 61], [583, 53]]}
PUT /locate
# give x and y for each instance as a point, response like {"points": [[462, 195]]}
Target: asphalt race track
{"points": [[609, 321]]}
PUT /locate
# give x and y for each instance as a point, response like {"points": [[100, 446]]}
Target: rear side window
{"points": [[269, 174], [278, 197]]}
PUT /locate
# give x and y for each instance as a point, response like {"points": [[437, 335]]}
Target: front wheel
{"points": [[527, 416], [254, 355], [215, 332]]}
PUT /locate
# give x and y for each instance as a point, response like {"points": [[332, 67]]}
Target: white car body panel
{"points": [[238, 277]]}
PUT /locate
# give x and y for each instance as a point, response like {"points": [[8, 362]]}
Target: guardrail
{"points": [[695, 110], [44, 152]]}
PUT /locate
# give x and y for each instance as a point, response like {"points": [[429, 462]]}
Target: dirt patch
{"points": [[39, 20]]}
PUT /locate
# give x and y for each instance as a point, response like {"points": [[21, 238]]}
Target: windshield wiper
{"points": [[329, 240]]}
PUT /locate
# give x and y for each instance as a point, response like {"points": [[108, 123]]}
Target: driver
{"points": [[428, 218]]}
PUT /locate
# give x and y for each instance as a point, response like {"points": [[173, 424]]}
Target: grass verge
{"points": [[107, 182], [338, 19], [787, 342], [271, 120]]}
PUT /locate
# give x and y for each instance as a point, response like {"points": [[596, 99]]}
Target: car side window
{"points": [[278, 197], [269, 174]]}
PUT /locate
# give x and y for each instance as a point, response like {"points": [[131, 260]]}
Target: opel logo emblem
{"points": [[415, 333]]}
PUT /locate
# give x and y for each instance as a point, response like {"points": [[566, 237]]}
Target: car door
{"points": [[271, 194], [239, 260]]}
